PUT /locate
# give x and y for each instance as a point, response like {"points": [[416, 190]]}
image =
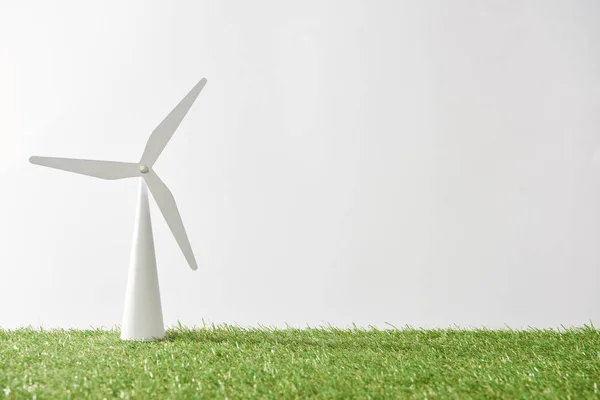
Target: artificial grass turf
{"points": [[233, 362]]}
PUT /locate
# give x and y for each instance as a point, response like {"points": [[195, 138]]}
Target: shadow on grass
{"points": [[258, 338], [395, 340]]}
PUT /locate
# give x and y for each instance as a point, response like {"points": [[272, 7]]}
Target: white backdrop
{"points": [[423, 163]]}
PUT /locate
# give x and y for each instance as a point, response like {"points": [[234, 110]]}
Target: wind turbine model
{"points": [[142, 318]]}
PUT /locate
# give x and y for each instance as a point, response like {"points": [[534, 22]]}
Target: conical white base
{"points": [[142, 318]]}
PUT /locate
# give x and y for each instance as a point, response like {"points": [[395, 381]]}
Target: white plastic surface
{"points": [[96, 168], [142, 317], [165, 130], [166, 203]]}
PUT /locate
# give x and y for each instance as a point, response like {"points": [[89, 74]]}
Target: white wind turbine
{"points": [[142, 317]]}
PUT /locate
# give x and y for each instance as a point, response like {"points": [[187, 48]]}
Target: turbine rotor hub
{"points": [[144, 169]]}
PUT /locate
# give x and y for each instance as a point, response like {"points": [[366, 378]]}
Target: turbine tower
{"points": [[142, 316]]}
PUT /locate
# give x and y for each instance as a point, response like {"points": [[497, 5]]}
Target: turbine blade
{"points": [[95, 168], [166, 202], [164, 131]]}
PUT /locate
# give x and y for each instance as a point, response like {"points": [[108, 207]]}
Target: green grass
{"points": [[233, 362]]}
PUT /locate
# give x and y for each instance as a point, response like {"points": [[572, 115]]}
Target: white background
{"points": [[422, 163]]}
